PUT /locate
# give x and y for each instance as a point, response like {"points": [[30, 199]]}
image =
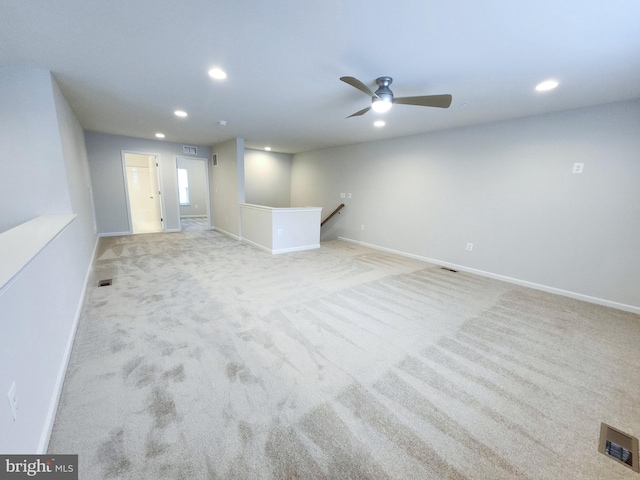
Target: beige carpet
{"points": [[210, 359]]}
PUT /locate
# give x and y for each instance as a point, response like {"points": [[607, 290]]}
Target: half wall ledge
{"points": [[281, 230], [21, 244]]}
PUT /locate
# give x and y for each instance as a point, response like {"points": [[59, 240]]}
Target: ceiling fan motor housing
{"points": [[383, 92]]}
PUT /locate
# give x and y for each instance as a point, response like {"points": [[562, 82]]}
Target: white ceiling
{"points": [[126, 65]]}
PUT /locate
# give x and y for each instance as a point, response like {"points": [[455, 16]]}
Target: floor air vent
{"points": [[623, 448], [105, 283], [449, 269]]}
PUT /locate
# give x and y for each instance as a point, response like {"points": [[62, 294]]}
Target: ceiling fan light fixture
{"points": [[379, 123], [382, 99], [381, 105]]}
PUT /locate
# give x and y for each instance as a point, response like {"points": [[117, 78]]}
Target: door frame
{"points": [[206, 183], [123, 154]]}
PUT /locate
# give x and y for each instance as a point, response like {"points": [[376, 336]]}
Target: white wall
{"points": [[105, 160], [197, 186], [44, 170], [32, 176], [227, 186], [267, 178], [505, 187]]}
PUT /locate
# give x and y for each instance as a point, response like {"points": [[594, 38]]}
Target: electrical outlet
{"points": [[578, 167], [279, 232], [13, 401], [196, 206], [469, 247], [342, 195], [348, 195], [361, 227]]}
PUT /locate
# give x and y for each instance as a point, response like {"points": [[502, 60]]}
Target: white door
{"points": [[142, 187]]}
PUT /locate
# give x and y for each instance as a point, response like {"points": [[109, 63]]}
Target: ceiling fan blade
{"points": [[360, 112], [354, 82], [440, 101]]}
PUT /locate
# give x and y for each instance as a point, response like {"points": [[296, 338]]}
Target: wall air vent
{"points": [[214, 159], [189, 150], [620, 446]]}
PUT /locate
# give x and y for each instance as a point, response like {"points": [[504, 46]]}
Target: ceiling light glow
{"points": [[381, 106], [160, 135], [379, 123], [546, 85], [217, 73], [268, 149], [180, 113]]}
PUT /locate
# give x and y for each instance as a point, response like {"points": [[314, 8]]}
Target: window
{"points": [[183, 186]]}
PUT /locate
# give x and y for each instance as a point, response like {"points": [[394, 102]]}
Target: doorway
{"points": [[142, 192], [193, 193]]}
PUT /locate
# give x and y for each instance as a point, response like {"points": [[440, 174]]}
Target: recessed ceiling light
{"points": [[379, 123], [160, 135], [180, 113], [217, 73], [222, 123], [268, 149], [546, 85]]}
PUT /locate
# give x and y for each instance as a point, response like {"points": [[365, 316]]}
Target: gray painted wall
{"points": [[197, 186], [44, 166], [227, 186], [508, 188], [108, 181], [267, 178]]}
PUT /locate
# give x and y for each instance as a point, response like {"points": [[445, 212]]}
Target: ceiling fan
{"points": [[382, 98]]}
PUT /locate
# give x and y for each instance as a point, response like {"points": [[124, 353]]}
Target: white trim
{"points": [[257, 245], [295, 249], [279, 209], [504, 278], [170, 230], [208, 191], [281, 250], [114, 234], [45, 437], [21, 244], [192, 216], [228, 234]]}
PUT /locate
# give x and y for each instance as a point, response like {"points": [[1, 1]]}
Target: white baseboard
{"points": [[504, 278], [193, 216], [228, 234], [257, 245], [296, 249], [281, 250], [114, 234], [171, 230], [62, 372]]}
